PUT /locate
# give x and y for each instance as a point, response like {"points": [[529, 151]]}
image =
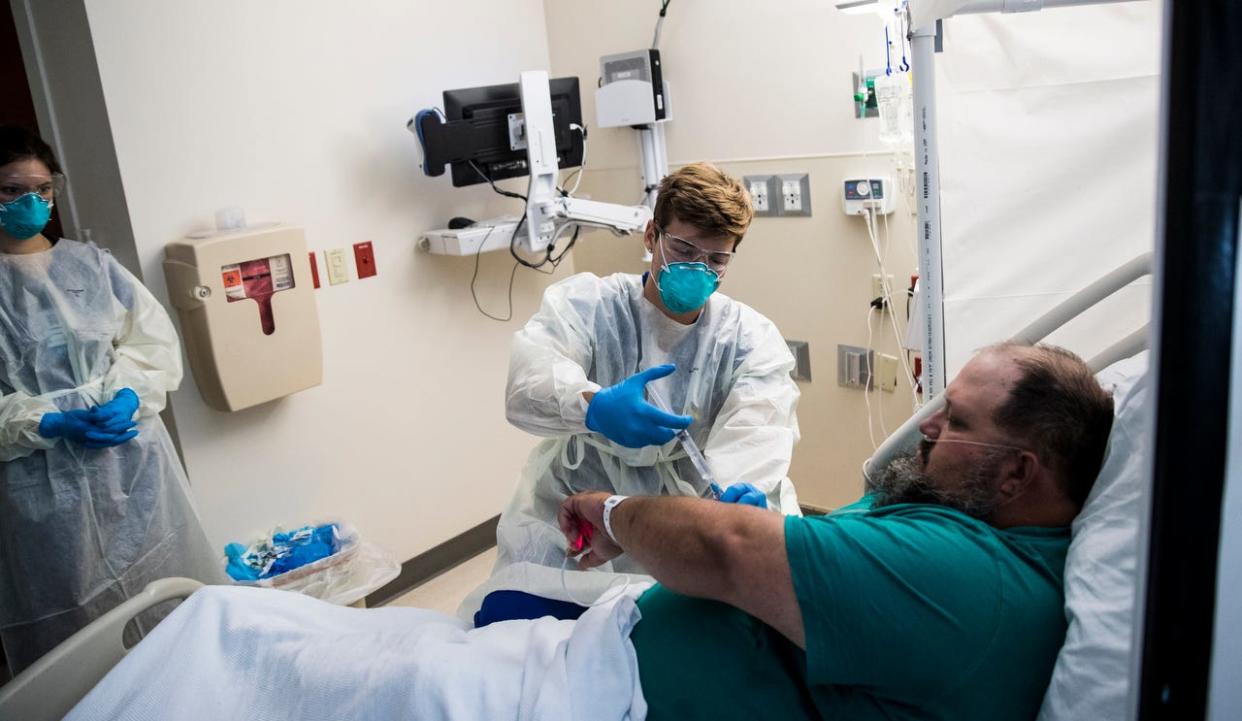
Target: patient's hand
{"points": [[588, 508]]}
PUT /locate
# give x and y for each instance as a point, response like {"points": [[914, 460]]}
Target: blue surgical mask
{"points": [[26, 216], [686, 286]]}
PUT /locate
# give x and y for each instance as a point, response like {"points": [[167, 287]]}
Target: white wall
{"points": [[749, 79], [296, 111], [761, 88]]}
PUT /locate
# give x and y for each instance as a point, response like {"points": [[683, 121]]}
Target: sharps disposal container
{"points": [[248, 314]]}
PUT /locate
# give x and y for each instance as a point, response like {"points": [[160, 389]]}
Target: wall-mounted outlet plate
{"points": [[886, 371], [802, 359], [877, 286], [761, 196], [338, 266], [795, 194], [853, 366]]}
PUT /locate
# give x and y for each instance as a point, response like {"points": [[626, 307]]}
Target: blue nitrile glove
{"points": [[622, 414], [78, 426], [118, 412], [237, 567], [744, 494]]}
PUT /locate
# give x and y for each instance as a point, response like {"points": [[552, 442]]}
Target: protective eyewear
{"points": [[680, 250], [47, 187]]}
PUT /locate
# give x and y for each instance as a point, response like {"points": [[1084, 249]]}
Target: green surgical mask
{"points": [[25, 217], [686, 286]]}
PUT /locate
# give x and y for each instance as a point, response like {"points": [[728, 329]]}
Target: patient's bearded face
{"points": [[905, 481]]}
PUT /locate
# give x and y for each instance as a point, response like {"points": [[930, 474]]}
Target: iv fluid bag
{"points": [[895, 101]]}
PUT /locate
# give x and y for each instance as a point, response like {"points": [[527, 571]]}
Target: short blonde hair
{"points": [[702, 195]]}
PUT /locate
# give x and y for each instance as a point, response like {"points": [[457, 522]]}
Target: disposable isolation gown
{"points": [[733, 377], [82, 530]]}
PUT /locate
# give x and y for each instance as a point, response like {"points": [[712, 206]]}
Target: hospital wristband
{"points": [[610, 503]]}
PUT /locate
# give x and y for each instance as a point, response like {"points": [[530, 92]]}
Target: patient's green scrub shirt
{"points": [[911, 611]]}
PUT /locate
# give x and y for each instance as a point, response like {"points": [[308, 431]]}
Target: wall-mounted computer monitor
{"points": [[476, 129]]}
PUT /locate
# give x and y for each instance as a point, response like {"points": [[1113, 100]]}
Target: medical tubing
{"points": [[905, 37], [901, 349], [655, 41], [886, 292], [888, 57], [867, 387], [871, 385]]}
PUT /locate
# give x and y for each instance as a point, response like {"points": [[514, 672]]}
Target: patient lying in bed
{"points": [[937, 596]]}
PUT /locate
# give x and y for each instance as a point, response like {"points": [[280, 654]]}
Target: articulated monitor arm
{"points": [[547, 209], [554, 213]]}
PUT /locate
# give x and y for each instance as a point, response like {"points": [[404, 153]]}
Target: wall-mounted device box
{"points": [[854, 366], [631, 90], [860, 194], [248, 315]]}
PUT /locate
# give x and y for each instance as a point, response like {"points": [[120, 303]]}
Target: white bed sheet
{"points": [[233, 653]]}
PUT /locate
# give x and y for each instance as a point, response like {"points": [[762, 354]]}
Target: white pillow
{"points": [[1091, 677]]}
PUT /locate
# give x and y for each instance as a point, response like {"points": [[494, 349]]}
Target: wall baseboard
{"points": [[429, 564]]}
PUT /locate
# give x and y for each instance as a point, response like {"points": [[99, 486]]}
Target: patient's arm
{"points": [[701, 548]]}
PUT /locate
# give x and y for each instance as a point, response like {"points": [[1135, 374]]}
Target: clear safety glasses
{"points": [[47, 187], [680, 250]]}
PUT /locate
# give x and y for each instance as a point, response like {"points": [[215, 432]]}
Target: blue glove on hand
{"points": [[744, 494], [116, 416], [624, 416], [78, 426]]}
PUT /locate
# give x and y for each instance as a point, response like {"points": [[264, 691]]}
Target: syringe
{"points": [[699, 462]]}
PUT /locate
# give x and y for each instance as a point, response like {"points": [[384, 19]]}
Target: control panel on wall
{"points": [[858, 195]]}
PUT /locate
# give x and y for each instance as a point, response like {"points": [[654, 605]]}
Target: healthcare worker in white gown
{"points": [[610, 368], [93, 501]]}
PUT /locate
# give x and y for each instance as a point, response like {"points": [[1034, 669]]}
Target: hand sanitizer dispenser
{"points": [[248, 314]]}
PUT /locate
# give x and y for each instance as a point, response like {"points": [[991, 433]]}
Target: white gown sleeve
{"points": [[549, 360], [19, 425], [148, 352], [754, 434]]}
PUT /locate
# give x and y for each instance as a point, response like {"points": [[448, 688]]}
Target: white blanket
{"points": [[234, 653]]}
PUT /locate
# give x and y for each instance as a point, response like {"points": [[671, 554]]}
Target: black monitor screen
{"points": [[487, 111]]}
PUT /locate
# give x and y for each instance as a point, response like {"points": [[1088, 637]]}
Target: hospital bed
{"points": [[53, 685]]}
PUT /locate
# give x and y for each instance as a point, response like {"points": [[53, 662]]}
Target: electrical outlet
{"points": [[791, 192], [760, 189], [877, 285], [759, 196], [886, 371], [795, 194], [338, 266]]}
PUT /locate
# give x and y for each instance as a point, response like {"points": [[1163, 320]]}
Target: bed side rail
{"points": [[54, 684], [907, 436]]}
